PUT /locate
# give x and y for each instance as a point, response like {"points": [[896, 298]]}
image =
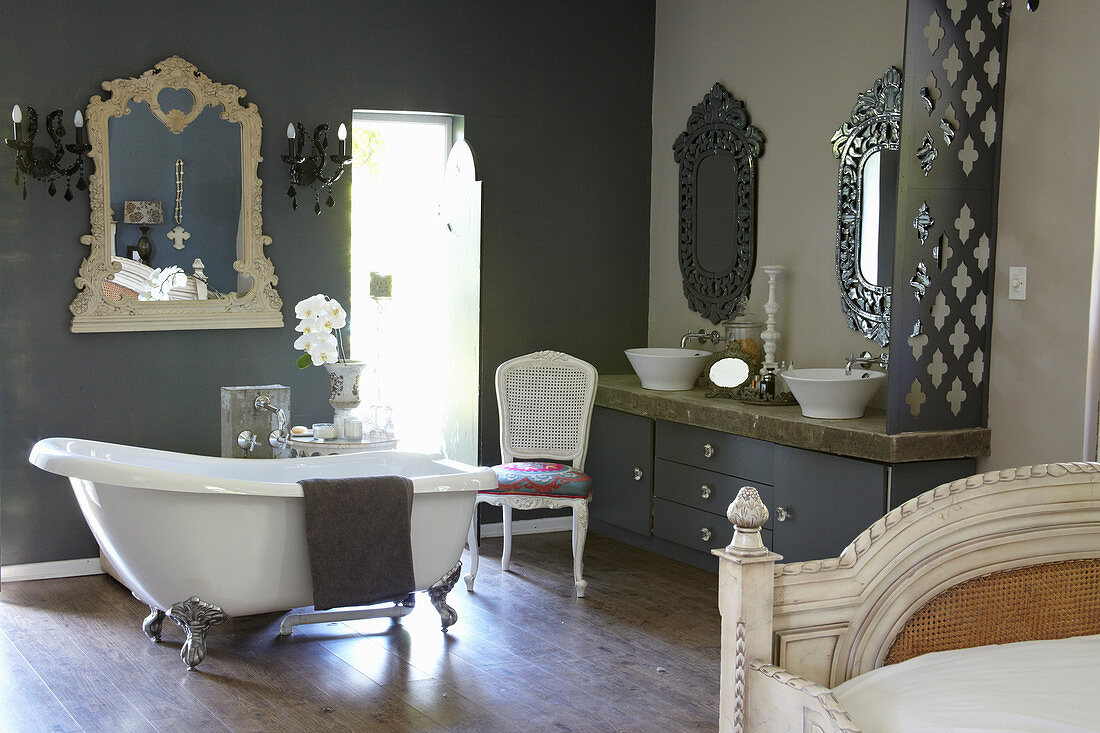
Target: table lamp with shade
{"points": [[144, 214]]}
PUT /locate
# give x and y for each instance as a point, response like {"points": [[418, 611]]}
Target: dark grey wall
{"points": [[557, 105]]}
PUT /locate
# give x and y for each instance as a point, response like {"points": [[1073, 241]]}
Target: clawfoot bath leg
{"points": [[152, 624], [195, 616], [438, 594], [471, 540]]}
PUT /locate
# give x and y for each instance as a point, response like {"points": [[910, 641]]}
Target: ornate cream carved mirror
{"points": [[175, 156]]}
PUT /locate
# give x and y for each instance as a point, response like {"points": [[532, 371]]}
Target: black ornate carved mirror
{"points": [[867, 146], [717, 155]]}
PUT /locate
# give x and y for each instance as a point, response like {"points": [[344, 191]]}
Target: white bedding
{"points": [[1040, 686]]}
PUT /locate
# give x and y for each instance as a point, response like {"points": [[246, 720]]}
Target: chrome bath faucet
{"points": [[702, 335], [865, 360]]}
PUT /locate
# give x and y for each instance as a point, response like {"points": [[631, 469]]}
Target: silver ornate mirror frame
{"points": [[719, 125], [260, 307], [875, 125]]}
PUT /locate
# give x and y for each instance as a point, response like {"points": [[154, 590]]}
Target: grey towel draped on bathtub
{"points": [[357, 530]]}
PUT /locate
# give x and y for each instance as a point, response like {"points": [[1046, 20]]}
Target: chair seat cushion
{"points": [[535, 478]]}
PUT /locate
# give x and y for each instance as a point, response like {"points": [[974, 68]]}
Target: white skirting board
{"points": [[44, 570], [529, 526]]}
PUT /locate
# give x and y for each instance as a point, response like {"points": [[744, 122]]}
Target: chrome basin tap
{"points": [[279, 436], [865, 360], [702, 335]]}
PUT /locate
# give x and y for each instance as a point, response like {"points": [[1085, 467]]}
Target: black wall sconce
{"points": [[309, 169], [44, 163]]}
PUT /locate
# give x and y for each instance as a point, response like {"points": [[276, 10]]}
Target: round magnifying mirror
{"points": [[729, 373]]}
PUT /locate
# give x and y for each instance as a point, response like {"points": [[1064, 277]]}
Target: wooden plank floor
{"points": [[639, 653]]}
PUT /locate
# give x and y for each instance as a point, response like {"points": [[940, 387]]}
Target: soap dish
{"points": [[750, 396]]}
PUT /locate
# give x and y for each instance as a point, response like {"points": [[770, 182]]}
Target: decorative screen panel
{"points": [[941, 310]]}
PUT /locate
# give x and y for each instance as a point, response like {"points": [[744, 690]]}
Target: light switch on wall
{"points": [[1017, 283]]}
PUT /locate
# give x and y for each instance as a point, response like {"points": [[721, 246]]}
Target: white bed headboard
{"points": [[830, 620]]}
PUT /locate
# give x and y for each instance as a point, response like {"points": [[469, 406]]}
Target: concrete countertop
{"points": [[863, 437]]}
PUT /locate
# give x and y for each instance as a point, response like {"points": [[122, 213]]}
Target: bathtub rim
{"points": [[56, 456]]}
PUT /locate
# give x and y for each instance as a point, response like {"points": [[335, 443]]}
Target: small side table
{"points": [[307, 447]]}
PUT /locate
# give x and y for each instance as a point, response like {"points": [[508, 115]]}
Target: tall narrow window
{"points": [[409, 274]]}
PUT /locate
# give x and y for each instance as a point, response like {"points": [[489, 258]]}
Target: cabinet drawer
{"points": [[733, 454], [702, 489], [693, 527]]}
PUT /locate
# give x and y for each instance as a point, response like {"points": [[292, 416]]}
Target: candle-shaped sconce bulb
{"points": [[290, 131], [290, 135], [16, 118], [78, 119], [342, 133]]}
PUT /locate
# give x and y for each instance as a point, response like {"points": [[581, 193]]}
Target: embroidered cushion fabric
{"points": [[537, 478]]}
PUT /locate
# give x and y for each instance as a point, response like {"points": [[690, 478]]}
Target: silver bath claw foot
{"points": [[152, 624], [438, 593], [195, 616]]}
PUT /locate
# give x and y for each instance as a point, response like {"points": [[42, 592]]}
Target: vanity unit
{"points": [[666, 465]]}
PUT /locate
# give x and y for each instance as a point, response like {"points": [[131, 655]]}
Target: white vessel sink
{"points": [[668, 369], [830, 393]]}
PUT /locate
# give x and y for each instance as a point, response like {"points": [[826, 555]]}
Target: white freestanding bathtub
{"points": [[205, 538]]}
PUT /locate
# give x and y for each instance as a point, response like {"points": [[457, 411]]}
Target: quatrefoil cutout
{"points": [[992, 67], [974, 36], [934, 32], [952, 64], [956, 7]]}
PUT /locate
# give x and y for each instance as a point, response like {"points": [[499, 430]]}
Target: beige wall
{"points": [[1046, 222], [798, 65]]}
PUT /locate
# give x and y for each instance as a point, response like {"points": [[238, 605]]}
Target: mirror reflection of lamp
{"points": [[144, 214]]}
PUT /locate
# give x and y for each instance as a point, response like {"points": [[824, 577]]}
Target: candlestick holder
{"points": [[308, 168], [45, 163], [770, 334]]}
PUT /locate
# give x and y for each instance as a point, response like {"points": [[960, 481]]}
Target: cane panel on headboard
{"points": [[1053, 600]]}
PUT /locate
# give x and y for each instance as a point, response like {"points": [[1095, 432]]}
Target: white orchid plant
{"points": [[161, 282], [318, 316]]}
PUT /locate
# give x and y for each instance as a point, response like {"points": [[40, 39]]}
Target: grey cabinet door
{"points": [[620, 462], [826, 500]]}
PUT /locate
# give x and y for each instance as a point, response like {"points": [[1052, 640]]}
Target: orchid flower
{"points": [[161, 282], [310, 307], [312, 325], [319, 315], [334, 314], [322, 350], [306, 341]]}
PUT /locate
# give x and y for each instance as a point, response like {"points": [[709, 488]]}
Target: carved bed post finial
{"points": [[747, 513], [745, 588]]}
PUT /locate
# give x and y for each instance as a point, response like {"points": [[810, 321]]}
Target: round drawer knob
{"points": [[704, 534], [708, 451], [704, 491], [783, 513], [638, 474]]}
